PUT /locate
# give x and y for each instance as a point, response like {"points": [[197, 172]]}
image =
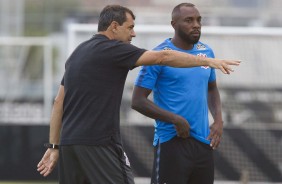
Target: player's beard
{"points": [[188, 38]]}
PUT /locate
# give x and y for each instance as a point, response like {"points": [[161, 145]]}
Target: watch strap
{"points": [[53, 146]]}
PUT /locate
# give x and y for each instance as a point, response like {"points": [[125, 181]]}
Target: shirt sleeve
{"points": [[147, 76], [126, 55], [62, 81]]}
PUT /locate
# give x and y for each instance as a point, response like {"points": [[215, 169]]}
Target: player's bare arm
{"points": [[51, 156], [56, 117], [182, 60], [142, 104], [216, 129]]}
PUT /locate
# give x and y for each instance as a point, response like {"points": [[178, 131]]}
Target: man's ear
{"points": [[114, 26], [172, 23]]}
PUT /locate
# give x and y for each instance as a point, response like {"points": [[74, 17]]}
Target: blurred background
{"points": [[37, 36]]}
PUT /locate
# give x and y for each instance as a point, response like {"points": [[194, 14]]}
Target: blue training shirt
{"points": [[183, 91]]}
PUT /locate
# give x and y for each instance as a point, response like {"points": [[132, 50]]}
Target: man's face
{"points": [[188, 24], [125, 32]]}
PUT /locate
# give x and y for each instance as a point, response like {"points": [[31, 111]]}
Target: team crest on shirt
{"points": [[201, 46], [203, 55]]}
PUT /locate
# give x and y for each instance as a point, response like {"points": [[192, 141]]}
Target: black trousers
{"points": [[82, 164], [183, 161]]}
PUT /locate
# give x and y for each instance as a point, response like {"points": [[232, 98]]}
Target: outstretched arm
{"points": [[183, 60], [142, 104], [51, 156], [216, 129]]}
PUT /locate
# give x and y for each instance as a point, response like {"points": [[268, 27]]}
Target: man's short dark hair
{"points": [[113, 13], [176, 9]]}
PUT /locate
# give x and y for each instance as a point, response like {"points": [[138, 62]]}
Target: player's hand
{"points": [[182, 126], [48, 162], [216, 130], [224, 65]]}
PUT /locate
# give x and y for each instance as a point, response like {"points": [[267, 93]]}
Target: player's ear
{"points": [[172, 23]]}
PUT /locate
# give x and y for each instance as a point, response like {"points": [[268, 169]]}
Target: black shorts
{"points": [[82, 164], [183, 161]]}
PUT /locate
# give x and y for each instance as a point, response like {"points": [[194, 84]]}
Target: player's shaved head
{"points": [[176, 10]]}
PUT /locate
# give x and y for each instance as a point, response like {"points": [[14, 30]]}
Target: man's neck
{"points": [[107, 34], [181, 44]]}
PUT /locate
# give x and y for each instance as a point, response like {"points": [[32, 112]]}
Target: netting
{"points": [[25, 79]]}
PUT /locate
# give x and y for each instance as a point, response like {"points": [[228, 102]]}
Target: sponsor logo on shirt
{"points": [[201, 47], [167, 48], [203, 55]]}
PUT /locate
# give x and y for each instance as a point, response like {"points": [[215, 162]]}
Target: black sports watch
{"points": [[53, 146]]}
